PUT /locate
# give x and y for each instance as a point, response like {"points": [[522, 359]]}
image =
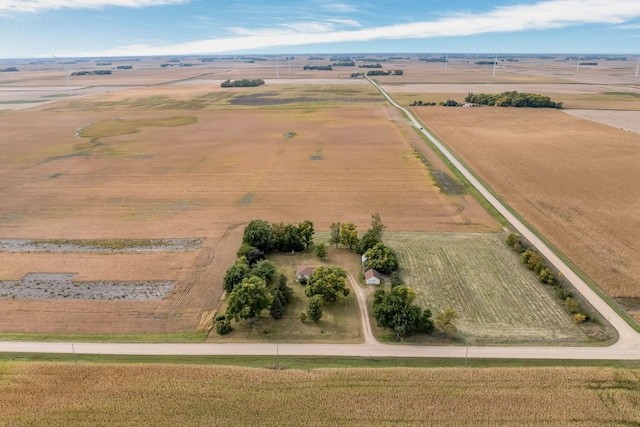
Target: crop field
{"points": [[181, 162], [479, 276], [581, 180], [166, 395]]}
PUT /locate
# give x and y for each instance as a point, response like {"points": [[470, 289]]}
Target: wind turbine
{"points": [[495, 65], [578, 66], [446, 62], [66, 73], [637, 66], [277, 68]]}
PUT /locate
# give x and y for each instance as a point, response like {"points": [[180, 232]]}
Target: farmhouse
{"points": [[304, 272], [371, 277]]}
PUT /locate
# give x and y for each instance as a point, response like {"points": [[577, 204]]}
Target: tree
{"points": [[285, 290], [366, 242], [278, 306], [247, 300], [321, 251], [381, 258], [306, 232], [445, 322], [264, 269], [258, 233], [395, 279], [348, 234], [253, 256], [395, 310], [328, 282], [235, 274], [244, 250], [314, 308], [335, 234]]}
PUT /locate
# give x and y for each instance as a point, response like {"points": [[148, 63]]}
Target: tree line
{"points": [[87, 73], [385, 73], [513, 99], [318, 67], [534, 262], [242, 83]]}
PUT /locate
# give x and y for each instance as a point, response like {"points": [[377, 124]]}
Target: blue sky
{"points": [[38, 28]]}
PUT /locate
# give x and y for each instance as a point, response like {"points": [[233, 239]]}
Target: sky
{"points": [[101, 28]]}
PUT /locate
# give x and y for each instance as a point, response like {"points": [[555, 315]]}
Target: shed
{"points": [[304, 272], [372, 277]]}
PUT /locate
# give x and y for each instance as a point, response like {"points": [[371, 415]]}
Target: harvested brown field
{"points": [[627, 120], [576, 181], [166, 395], [120, 166]]}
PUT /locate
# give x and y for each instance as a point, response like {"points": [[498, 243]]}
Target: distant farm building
{"points": [[304, 272], [372, 277]]}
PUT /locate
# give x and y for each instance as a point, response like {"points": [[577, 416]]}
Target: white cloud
{"points": [[337, 7], [33, 6], [539, 16]]}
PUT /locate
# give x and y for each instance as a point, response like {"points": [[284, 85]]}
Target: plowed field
{"points": [[576, 181]]}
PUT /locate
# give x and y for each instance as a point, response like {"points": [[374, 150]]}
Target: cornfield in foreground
{"points": [[59, 394]]}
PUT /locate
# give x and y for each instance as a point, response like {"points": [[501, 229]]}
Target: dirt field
{"points": [[576, 181], [123, 166], [627, 120], [478, 275], [167, 395]]}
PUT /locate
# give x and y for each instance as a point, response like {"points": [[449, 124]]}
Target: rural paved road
{"points": [[626, 348]]}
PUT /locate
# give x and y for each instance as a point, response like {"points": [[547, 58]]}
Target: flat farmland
{"points": [[574, 180], [88, 170], [498, 300], [140, 394]]}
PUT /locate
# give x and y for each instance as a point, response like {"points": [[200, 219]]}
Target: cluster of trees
{"points": [[247, 284], [420, 104], [379, 256], [242, 83], [377, 65], [344, 64], [537, 264], [356, 75], [316, 58], [325, 285], [450, 103], [281, 237], [124, 67], [385, 73], [87, 73], [431, 59], [8, 70], [318, 67], [103, 63], [395, 309], [513, 99]]}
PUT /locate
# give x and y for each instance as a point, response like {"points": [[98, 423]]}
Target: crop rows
{"points": [[97, 394], [477, 275]]}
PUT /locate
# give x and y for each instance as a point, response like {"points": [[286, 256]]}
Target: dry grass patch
{"points": [[576, 181], [498, 300], [168, 395]]}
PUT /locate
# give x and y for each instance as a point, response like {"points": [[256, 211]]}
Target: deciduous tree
{"points": [[321, 250], [258, 233], [235, 274], [348, 234], [335, 234], [328, 282], [247, 300], [381, 258], [445, 322], [306, 232], [314, 308]]}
